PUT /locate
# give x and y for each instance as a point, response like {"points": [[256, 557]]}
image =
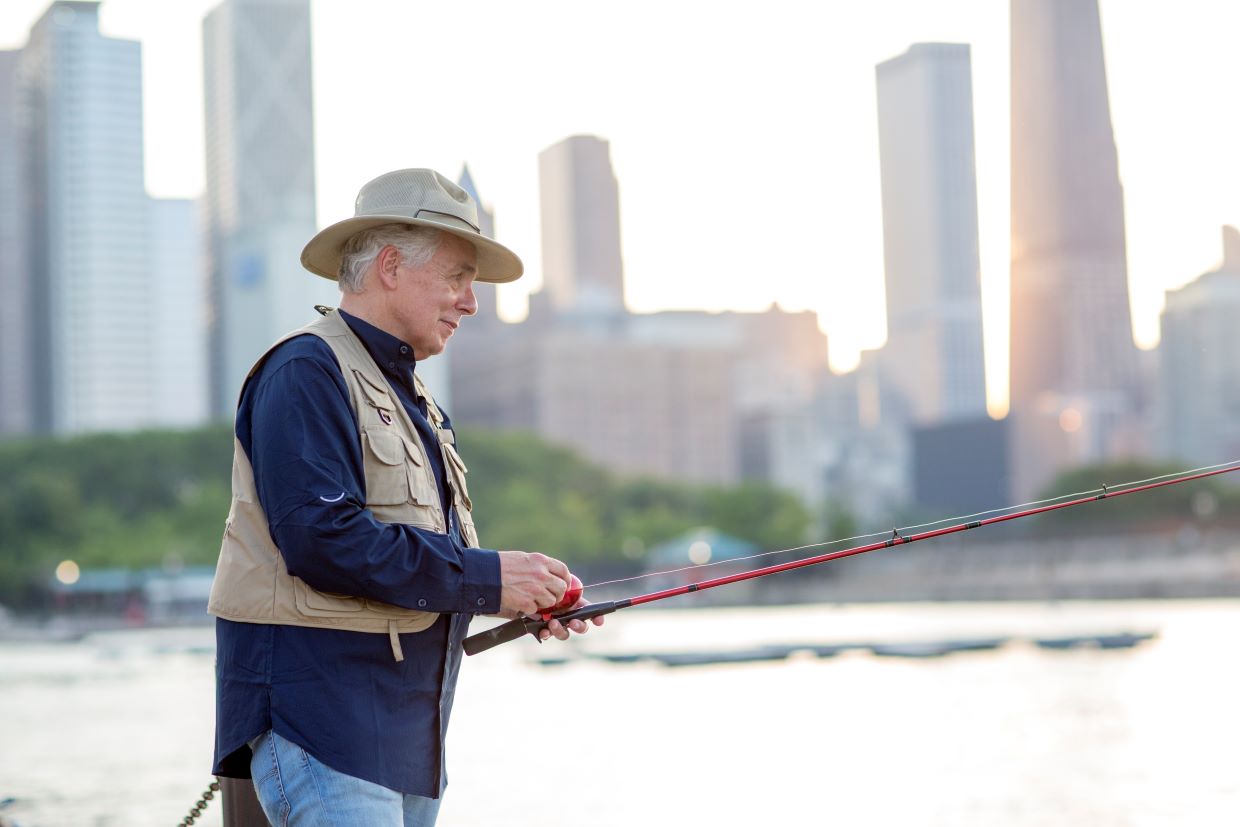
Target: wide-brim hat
{"points": [[422, 198]]}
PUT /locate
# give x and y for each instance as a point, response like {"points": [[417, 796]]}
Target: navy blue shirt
{"points": [[342, 695]]}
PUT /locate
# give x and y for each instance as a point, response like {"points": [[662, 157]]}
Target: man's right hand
{"points": [[530, 581]]}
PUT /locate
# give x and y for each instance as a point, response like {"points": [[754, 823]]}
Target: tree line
{"points": [[154, 497], [158, 497]]}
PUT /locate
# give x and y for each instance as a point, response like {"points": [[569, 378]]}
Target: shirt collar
{"points": [[393, 356]]}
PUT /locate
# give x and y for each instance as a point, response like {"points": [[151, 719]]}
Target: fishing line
{"points": [[535, 624], [1112, 489]]}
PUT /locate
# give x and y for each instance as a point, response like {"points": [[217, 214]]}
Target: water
{"points": [[116, 729]]}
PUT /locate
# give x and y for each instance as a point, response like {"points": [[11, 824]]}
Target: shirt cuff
{"points": [[481, 583]]}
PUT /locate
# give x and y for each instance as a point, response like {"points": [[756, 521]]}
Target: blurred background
{"points": [[794, 274]]}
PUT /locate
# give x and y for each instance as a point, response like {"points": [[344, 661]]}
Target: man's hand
{"points": [[530, 582], [556, 628]]}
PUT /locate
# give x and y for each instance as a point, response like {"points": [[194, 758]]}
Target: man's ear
{"points": [[388, 261]]}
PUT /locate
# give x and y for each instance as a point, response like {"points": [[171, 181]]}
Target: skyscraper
{"points": [[580, 208], [933, 356], [85, 207], [1073, 361], [260, 183], [16, 411], [1199, 393], [178, 318]]}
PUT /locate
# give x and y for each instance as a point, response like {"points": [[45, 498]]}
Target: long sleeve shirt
{"points": [[339, 694]]}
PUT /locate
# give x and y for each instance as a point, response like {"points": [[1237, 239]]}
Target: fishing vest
{"points": [[252, 583]]}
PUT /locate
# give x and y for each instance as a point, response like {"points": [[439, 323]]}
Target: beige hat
{"points": [[421, 197]]}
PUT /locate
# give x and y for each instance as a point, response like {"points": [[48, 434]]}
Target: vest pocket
{"points": [[387, 479], [376, 395], [321, 604]]}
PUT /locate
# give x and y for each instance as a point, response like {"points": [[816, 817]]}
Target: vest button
{"points": [[404, 349], [482, 601], [422, 602]]}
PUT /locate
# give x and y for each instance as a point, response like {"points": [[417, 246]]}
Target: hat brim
{"points": [[496, 263]]}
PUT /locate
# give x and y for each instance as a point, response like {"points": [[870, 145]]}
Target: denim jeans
{"points": [[297, 790]]}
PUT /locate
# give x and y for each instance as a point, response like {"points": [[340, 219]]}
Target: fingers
{"points": [[557, 568], [559, 631], [552, 579], [531, 582]]}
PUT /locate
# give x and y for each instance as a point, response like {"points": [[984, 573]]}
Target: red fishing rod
{"points": [[533, 625]]}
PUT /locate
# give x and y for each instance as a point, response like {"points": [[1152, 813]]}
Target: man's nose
{"points": [[468, 303]]}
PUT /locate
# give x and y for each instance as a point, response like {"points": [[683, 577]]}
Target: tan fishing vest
{"points": [[252, 583]]}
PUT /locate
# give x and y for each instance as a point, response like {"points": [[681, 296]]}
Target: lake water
{"points": [[116, 729]]}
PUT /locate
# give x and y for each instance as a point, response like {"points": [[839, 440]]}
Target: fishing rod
{"points": [[534, 624]]}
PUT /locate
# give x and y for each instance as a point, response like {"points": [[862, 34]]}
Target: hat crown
{"points": [[418, 193]]}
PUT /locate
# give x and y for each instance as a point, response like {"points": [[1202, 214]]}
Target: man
{"points": [[350, 566]]}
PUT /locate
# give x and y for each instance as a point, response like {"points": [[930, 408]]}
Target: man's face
{"points": [[430, 300]]}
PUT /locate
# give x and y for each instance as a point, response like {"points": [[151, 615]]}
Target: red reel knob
{"points": [[571, 596]]}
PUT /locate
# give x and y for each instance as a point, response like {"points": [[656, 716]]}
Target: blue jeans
{"points": [[297, 790]]}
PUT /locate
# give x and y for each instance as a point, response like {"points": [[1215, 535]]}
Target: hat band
{"points": [[449, 218]]}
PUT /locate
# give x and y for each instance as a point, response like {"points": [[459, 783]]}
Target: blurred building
{"points": [[260, 199], [178, 318], [864, 464], [1074, 376], [84, 211], [707, 397], [961, 467], [580, 208], [16, 332], [1199, 393], [933, 357]]}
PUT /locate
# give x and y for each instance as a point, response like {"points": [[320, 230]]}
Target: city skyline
{"points": [[710, 142]]}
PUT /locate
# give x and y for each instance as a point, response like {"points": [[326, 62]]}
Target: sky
{"points": [[743, 135]]}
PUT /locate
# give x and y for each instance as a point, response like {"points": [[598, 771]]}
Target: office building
{"points": [[933, 357], [580, 208], [178, 321], [84, 206], [260, 198], [1073, 361], [16, 389], [1199, 378]]}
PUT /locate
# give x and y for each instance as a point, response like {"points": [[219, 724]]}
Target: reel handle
{"points": [[522, 626]]}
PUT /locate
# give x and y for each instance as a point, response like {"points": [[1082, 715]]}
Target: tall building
{"points": [[580, 209], [260, 200], [1073, 362], [178, 319], [16, 412], [79, 98], [933, 355], [1199, 393]]}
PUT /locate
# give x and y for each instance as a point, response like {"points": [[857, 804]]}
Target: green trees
{"points": [[140, 500], [109, 500]]}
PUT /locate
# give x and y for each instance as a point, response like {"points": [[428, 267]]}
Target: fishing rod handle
{"points": [[522, 626]]}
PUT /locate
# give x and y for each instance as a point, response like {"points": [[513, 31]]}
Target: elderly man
{"points": [[350, 566]]}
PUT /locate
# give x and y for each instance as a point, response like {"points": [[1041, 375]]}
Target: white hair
{"points": [[417, 245]]}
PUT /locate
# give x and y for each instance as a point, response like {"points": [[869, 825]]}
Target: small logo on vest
{"points": [[334, 499], [386, 417]]}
